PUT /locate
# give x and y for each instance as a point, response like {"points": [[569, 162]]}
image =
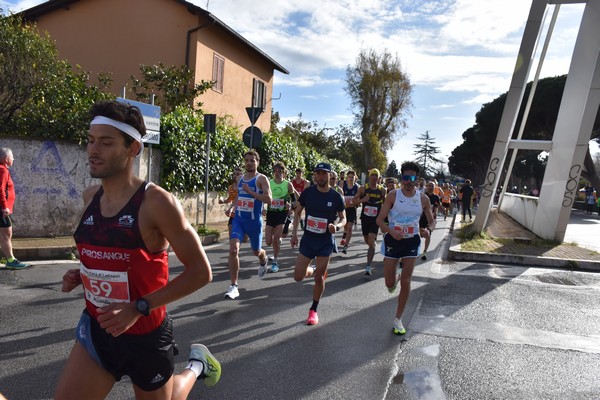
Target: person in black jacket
{"points": [[466, 192]]}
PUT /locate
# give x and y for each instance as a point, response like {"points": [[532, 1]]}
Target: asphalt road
{"points": [[475, 331]]}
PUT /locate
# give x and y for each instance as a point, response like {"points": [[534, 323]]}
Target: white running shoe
{"points": [[398, 327], [232, 293], [262, 270]]}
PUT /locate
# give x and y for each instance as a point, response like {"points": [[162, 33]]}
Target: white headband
{"points": [[123, 127]]}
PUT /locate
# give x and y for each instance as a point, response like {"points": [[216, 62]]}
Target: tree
{"points": [[392, 170], [425, 152], [172, 86], [27, 60], [380, 93]]}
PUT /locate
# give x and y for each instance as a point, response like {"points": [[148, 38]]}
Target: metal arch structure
{"points": [[548, 215]]}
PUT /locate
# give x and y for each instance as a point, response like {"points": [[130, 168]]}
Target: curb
{"points": [[455, 254], [63, 252]]}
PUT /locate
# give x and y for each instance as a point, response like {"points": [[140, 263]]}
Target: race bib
{"points": [[105, 287], [406, 231], [370, 211], [348, 201], [245, 204], [278, 204], [316, 225]]}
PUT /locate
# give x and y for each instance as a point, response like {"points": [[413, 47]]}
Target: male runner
{"points": [[401, 241], [424, 231], [299, 184], [122, 242], [253, 191], [277, 211], [350, 188], [371, 195], [323, 205]]}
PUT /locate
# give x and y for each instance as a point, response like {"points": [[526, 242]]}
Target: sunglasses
{"points": [[410, 178]]}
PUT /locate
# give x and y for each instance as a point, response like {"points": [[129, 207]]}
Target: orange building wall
{"points": [[117, 36]]}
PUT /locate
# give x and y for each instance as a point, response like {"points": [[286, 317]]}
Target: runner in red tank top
{"points": [[123, 243]]}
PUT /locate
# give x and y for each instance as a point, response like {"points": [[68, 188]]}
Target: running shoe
{"points": [[368, 270], [211, 373], [424, 257], [313, 318], [3, 260], [232, 293], [270, 259], [262, 270], [274, 267], [16, 264], [398, 327], [345, 249]]}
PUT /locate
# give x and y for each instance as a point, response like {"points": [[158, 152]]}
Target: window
{"points": [[259, 94], [218, 71]]}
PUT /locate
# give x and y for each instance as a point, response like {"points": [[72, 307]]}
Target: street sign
{"points": [[252, 137], [210, 123], [151, 115], [254, 113]]}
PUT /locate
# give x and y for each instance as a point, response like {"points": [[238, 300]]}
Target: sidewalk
{"points": [[63, 247], [512, 251], [520, 246]]}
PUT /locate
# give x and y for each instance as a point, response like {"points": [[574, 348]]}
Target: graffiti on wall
{"points": [[490, 178], [49, 163], [571, 186]]}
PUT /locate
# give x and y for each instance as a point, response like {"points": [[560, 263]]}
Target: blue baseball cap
{"points": [[322, 167]]}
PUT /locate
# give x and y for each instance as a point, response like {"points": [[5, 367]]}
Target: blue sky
{"points": [[459, 54]]}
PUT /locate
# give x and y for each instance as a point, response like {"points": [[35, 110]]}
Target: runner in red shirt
{"points": [[122, 242]]}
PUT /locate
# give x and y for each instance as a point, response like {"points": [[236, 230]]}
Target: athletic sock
{"points": [[197, 367], [314, 306], [11, 259]]}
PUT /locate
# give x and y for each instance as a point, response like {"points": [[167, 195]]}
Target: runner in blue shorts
{"points": [[253, 191], [403, 208], [323, 205]]}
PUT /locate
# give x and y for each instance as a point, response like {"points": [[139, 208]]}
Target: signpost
{"points": [[253, 114], [210, 125], [151, 115]]}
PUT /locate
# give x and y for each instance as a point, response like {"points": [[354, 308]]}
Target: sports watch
{"points": [[142, 306]]}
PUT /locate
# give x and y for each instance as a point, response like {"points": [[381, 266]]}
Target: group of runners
{"points": [[402, 213], [123, 242]]}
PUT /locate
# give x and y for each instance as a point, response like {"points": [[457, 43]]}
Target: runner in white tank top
{"points": [[401, 241]]}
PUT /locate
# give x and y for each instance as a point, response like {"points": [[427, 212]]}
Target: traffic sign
{"points": [[252, 137], [151, 115], [254, 113]]}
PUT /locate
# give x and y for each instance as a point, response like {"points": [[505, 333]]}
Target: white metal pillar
{"points": [[576, 115], [511, 110], [578, 108]]}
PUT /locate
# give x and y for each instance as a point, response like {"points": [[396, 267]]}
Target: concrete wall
{"points": [[521, 208], [50, 177]]}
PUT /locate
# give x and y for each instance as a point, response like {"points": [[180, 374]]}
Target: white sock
{"points": [[197, 367], [275, 260]]}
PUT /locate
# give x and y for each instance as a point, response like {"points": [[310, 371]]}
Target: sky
{"points": [[458, 55]]}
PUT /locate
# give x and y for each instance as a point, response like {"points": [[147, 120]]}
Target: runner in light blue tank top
{"points": [[253, 191]]}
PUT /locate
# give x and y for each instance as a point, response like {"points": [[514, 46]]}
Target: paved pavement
{"points": [[475, 331]]}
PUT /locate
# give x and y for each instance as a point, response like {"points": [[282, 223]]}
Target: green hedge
{"points": [[183, 142]]}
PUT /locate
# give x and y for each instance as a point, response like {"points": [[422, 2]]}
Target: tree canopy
{"points": [[380, 94], [471, 158]]}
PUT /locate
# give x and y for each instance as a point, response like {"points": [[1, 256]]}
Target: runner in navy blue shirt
{"points": [[323, 206]]}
